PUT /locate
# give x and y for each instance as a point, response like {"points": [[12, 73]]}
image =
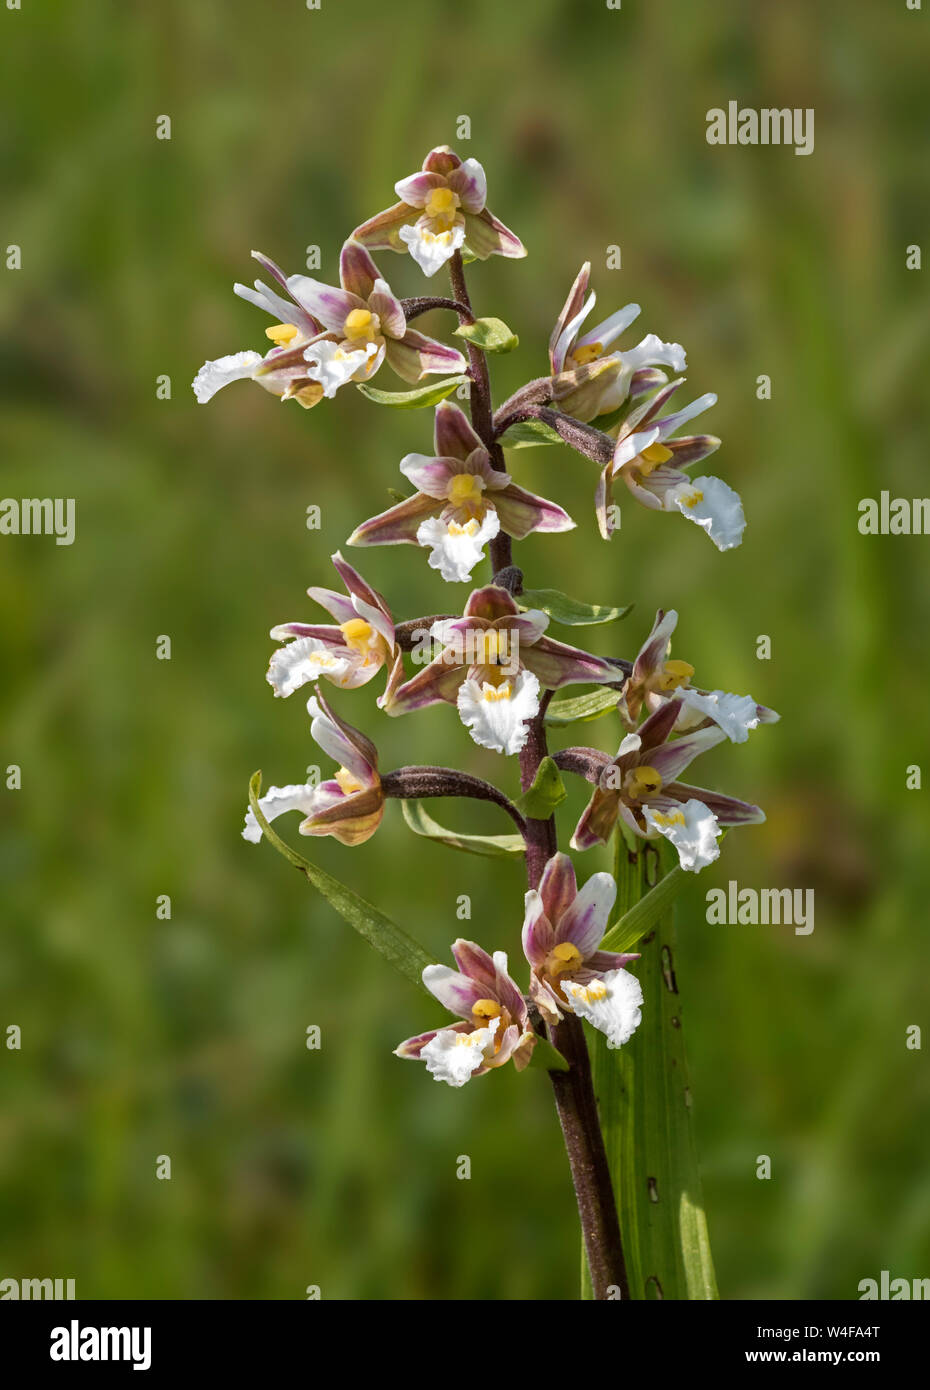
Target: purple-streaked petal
{"points": [[658, 727], [597, 820], [345, 745], [281, 632], [441, 160], [416, 188], [490, 603], [398, 525], [574, 311], [383, 302], [336, 604], [470, 182], [357, 586], [585, 921], [522, 512], [433, 357], [412, 1048], [528, 626], [382, 232], [651, 654], [506, 989], [429, 474], [474, 961], [486, 236], [558, 887], [330, 305], [357, 271], [692, 448], [439, 681], [672, 758], [453, 434], [455, 992], [670, 423], [557, 664], [646, 380], [538, 934], [284, 310], [612, 327], [729, 810], [610, 960]]}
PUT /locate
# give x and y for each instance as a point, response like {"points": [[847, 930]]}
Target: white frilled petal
{"points": [[274, 803], [497, 716], [332, 365], [213, 376], [432, 249], [306, 659], [455, 1057], [653, 352], [691, 828], [456, 547], [712, 504], [611, 1002], [736, 714]]}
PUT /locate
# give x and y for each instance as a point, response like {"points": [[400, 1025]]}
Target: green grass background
{"points": [[186, 1037]]}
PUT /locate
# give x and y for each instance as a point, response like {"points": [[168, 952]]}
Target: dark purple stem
{"points": [[423, 303], [587, 440], [415, 782]]}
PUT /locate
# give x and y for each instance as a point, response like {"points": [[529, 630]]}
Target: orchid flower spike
{"points": [[494, 1023], [442, 210], [350, 806], [461, 502], [562, 932]]}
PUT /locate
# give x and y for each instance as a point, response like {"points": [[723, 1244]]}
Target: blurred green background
{"points": [[186, 1037]]}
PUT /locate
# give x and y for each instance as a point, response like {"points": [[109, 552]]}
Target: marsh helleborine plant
{"points": [[497, 663]]}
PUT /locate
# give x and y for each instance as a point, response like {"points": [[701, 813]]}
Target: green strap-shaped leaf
{"points": [[489, 334], [388, 939], [578, 709], [645, 1103], [430, 394], [571, 611], [548, 791], [643, 915], [528, 433], [546, 1056], [492, 846]]}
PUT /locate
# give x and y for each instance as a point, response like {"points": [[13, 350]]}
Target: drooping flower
{"points": [[655, 679], [282, 370], [492, 663], [350, 652], [562, 933], [442, 210], [653, 464], [640, 784], [461, 502], [350, 806], [494, 1026], [590, 378]]}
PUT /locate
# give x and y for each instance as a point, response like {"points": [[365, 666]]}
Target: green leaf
{"points": [[390, 940], [548, 1057], [548, 791], [490, 335], [571, 612], [430, 394], [492, 846], [578, 709], [399, 496], [645, 1104], [528, 433], [642, 916]]}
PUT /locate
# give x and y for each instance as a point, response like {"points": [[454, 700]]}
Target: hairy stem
{"points": [[417, 782], [423, 303]]}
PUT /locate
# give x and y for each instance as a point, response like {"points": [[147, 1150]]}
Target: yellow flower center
{"points": [[642, 782], [492, 693], [673, 675], [361, 324], [348, 781], [693, 497], [281, 333], [651, 458], [563, 957], [673, 818], [465, 489], [441, 205], [488, 646], [593, 992], [486, 1008], [358, 635], [588, 352], [467, 528]]}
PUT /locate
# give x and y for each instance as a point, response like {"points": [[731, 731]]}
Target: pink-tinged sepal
{"points": [[522, 512], [396, 526], [453, 434], [486, 236], [729, 810], [357, 271], [557, 664], [382, 232]]}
